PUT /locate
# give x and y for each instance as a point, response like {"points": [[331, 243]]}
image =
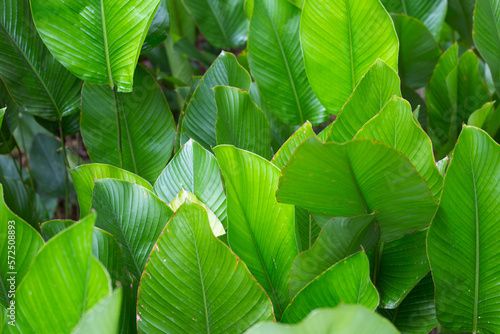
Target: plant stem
{"points": [[66, 170], [379, 251]]}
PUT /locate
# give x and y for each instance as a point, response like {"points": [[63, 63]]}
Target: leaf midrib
{"points": [[477, 272], [288, 70], [207, 320], [219, 23], [46, 89], [105, 37], [350, 45]]}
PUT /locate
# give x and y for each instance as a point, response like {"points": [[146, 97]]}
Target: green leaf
{"points": [[214, 222], [456, 91], [201, 113], [10, 121], [53, 227], [159, 28], [341, 40], [430, 12], [260, 230], [19, 197], [77, 283], [339, 238], [47, 165], [486, 27], [355, 178], [102, 318], [306, 229], [2, 114], [114, 134], [240, 122], [480, 117], [19, 240], [193, 283], [342, 319], [459, 17], [282, 157], [416, 314], [195, 170], [134, 216], [418, 51], [37, 82], [97, 41], [347, 282], [374, 90], [402, 266], [396, 126], [85, 175], [223, 23], [276, 61], [461, 249], [279, 130]]}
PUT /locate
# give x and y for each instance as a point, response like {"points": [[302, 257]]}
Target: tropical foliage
{"points": [[258, 166]]}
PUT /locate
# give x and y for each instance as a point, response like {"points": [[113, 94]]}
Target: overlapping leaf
{"points": [[462, 247], [223, 23], [355, 178], [260, 230], [342, 319], [85, 175], [375, 89], [115, 134], [340, 41], [276, 60], [240, 122], [38, 83], [196, 170], [201, 113], [98, 41], [339, 238], [396, 126], [193, 283], [133, 215]]}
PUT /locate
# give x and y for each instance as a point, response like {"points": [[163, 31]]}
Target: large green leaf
{"points": [[114, 133], [486, 37], [159, 28], [402, 265], [462, 243], [345, 282], [396, 126], [355, 178], [19, 243], [340, 41], [342, 319], [107, 250], [193, 283], [416, 314], [201, 113], [98, 41], [418, 51], [133, 215], [460, 17], [240, 122], [260, 230], [374, 90], [19, 197], [77, 283], [223, 23], [282, 157], [195, 170], [430, 12], [362, 176], [47, 166], [276, 61], [85, 175], [38, 83], [456, 90], [339, 238]]}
